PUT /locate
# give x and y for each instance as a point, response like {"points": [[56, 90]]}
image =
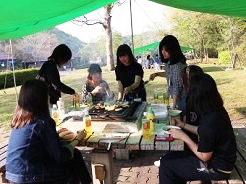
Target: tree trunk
{"points": [[202, 50], [109, 42]]}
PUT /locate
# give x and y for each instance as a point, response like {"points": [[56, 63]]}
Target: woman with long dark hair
{"points": [[175, 61], [129, 75], [187, 74], [214, 156], [35, 153], [50, 74]]}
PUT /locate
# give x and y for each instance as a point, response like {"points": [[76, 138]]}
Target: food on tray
{"points": [[111, 107], [66, 134], [100, 105], [118, 109]]}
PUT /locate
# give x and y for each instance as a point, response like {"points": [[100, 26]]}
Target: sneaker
{"points": [[157, 163]]}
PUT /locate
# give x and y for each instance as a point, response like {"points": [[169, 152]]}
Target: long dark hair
{"points": [[204, 96], [61, 55], [189, 72], [32, 103], [124, 50], [171, 44]]}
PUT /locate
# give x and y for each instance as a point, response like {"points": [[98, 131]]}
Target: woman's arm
{"points": [[183, 125], [52, 144], [179, 134], [157, 74], [54, 78], [134, 85], [120, 90], [175, 101]]}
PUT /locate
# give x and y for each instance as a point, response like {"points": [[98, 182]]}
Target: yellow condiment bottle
{"points": [[87, 122], [146, 127], [55, 114], [151, 117]]}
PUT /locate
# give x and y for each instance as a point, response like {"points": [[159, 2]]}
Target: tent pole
{"points": [[13, 67], [131, 26]]}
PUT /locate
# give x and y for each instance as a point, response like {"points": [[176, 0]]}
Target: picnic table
{"points": [[121, 143]]}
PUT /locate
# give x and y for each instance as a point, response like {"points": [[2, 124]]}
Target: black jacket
{"points": [[50, 75]]}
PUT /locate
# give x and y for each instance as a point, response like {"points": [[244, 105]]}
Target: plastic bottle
{"points": [[146, 127], [77, 102], [166, 97], [55, 114], [155, 96], [60, 105], [87, 122], [89, 100], [151, 117]]}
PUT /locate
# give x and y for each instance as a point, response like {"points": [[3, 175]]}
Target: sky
{"points": [[146, 15]]}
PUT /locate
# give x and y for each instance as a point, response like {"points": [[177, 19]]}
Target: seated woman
{"points": [[35, 153], [214, 156], [129, 75], [95, 87]]}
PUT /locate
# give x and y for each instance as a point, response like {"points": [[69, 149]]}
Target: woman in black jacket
{"points": [[50, 75]]}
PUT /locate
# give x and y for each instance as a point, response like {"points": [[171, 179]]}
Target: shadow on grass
{"points": [[241, 110], [213, 68], [223, 81]]}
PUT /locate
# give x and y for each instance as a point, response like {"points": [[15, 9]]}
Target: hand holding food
{"points": [[177, 122], [66, 134], [81, 134], [178, 134]]}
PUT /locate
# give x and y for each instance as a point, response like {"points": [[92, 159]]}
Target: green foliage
{"points": [[224, 57], [20, 76]]}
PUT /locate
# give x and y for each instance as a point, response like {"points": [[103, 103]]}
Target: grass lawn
{"points": [[231, 84]]}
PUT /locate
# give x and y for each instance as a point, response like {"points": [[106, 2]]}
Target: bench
{"points": [[3, 155], [238, 175]]}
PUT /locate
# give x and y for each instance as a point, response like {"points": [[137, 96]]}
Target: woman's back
{"points": [[35, 153], [216, 135]]}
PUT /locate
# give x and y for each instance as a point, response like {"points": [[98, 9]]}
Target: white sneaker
{"points": [[157, 163]]}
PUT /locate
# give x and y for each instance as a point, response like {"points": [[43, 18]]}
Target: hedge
{"points": [[20, 77], [224, 57]]}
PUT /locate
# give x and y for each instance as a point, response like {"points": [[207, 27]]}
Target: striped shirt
{"points": [[174, 78]]}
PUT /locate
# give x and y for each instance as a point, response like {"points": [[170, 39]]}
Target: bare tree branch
{"points": [[84, 20]]}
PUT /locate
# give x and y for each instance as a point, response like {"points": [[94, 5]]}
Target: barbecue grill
{"points": [[125, 114]]}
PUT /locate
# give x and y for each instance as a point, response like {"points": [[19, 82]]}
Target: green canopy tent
{"points": [[155, 45], [222, 7], [19, 18]]}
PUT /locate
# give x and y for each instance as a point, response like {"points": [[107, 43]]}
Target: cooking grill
{"points": [[123, 115]]}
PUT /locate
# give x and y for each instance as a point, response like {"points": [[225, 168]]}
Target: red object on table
{"points": [[163, 138]]}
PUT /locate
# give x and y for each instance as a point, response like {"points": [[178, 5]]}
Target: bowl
{"points": [[174, 112]]}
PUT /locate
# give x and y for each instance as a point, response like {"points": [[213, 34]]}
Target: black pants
{"points": [[180, 167], [78, 170]]}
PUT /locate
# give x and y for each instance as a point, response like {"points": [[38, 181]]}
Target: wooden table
{"points": [[121, 143]]}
